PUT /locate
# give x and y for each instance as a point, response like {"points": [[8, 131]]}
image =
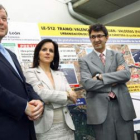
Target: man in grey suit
{"points": [[104, 74]]}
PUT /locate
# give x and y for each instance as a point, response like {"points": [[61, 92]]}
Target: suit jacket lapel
{"points": [[3, 59], [43, 77], [96, 60], [17, 66], [56, 79], [109, 59]]}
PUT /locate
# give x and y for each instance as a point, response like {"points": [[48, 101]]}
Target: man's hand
{"points": [[72, 96], [34, 109], [94, 78], [29, 110], [121, 67]]}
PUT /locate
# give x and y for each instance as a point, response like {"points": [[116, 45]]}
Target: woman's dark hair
{"points": [[55, 63], [98, 27]]}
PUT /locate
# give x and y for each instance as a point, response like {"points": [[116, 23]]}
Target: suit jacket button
{"points": [[65, 112]]}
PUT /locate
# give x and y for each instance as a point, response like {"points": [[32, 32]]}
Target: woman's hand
{"points": [[72, 96]]}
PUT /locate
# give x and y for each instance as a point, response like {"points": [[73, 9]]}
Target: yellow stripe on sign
{"points": [[123, 32], [134, 88], [70, 30], [67, 30]]}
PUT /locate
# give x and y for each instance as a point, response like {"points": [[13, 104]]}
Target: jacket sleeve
{"points": [[87, 80], [46, 94], [11, 104], [32, 94], [121, 76]]}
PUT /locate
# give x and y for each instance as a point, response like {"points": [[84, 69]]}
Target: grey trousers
{"points": [[114, 127]]}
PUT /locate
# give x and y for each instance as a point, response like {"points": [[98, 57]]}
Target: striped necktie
{"points": [[102, 57]]}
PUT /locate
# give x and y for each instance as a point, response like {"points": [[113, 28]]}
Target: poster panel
{"points": [[123, 39], [74, 43]]}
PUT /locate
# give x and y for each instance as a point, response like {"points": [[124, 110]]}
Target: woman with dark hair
{"points": [[53, 88]]}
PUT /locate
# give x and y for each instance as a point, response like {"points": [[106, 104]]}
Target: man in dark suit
{"points": [[19, 104], [103, 75]]}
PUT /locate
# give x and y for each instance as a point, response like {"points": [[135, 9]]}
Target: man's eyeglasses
{"points": [[98, 36]]}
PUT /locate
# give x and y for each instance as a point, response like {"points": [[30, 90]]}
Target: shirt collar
{"points": [[98, 53], [1, 46]]}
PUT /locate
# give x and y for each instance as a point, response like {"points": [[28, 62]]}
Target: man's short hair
{"points": [[1, 7], [98, 27]]}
